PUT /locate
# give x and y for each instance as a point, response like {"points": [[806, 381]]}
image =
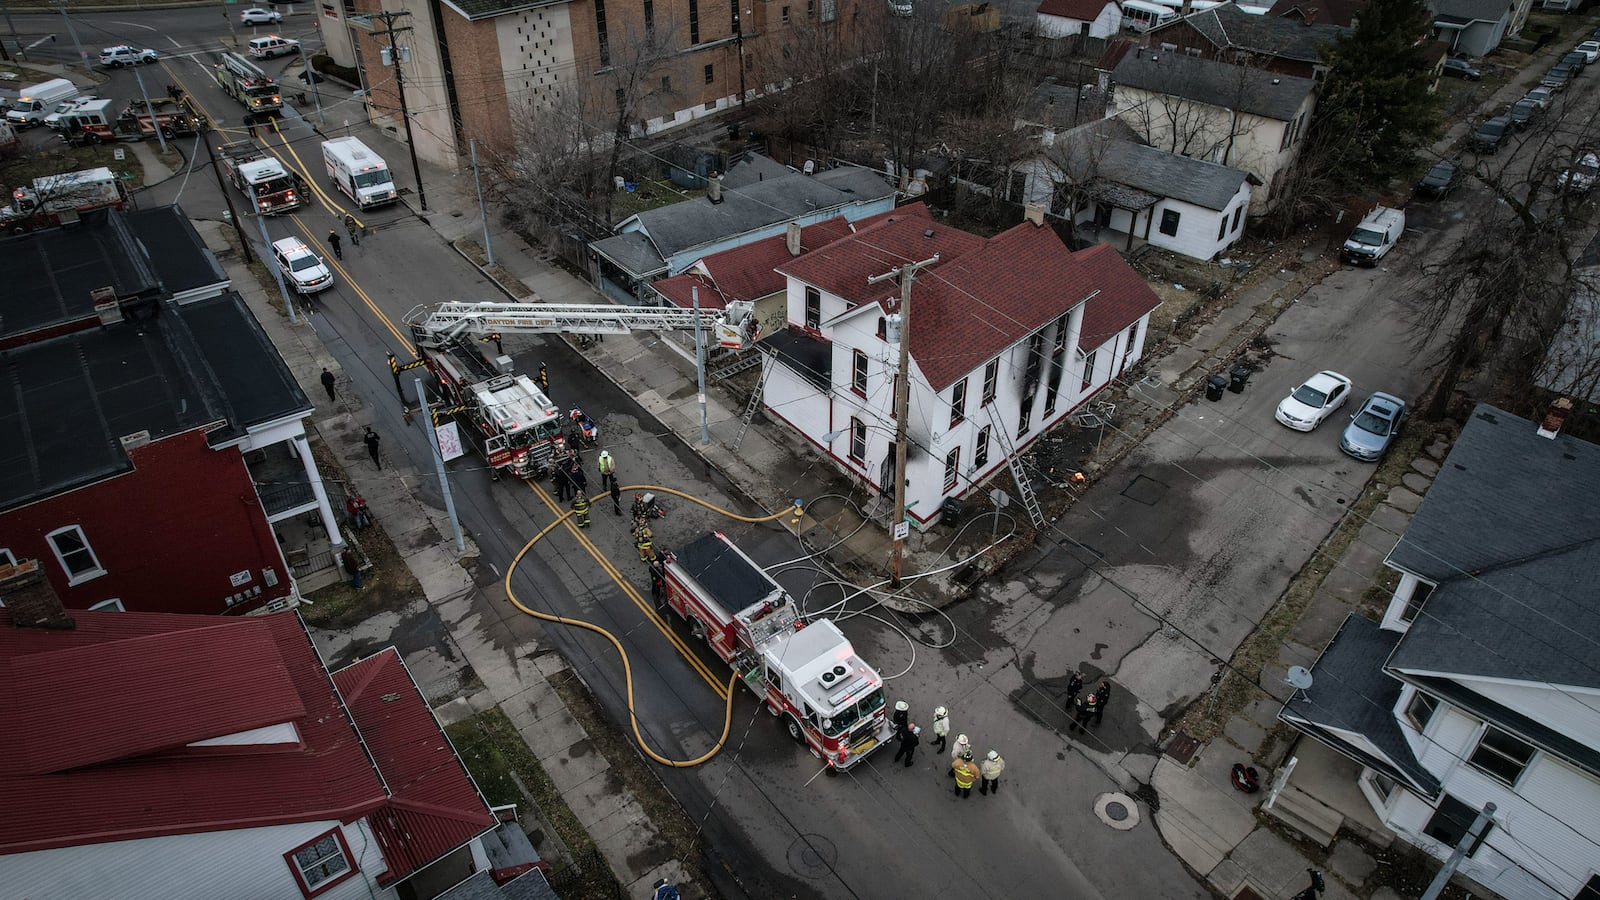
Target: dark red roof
{"points": [[1087, 10], [123, 697], [983, 296], [749, 272], [434, 806], [102, 723]]}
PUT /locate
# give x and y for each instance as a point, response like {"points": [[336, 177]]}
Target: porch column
{"points": [[330, 521], [1133, 223]]}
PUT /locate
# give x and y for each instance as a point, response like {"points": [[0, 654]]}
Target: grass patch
{"points": [[650, 193], [22, 169], [1205, 720]]}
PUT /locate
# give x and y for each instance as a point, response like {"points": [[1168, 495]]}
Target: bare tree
{"points": [[634, 73], [1168, 111], [811, 77], [1502, 292], [550, 179], [914, 76]]}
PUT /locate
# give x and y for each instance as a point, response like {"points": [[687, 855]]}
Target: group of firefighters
{"points": [[572, 486], [963, 769]]}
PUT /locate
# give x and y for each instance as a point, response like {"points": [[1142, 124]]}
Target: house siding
{"points": [[200, 522], [1105, 25], [241, 863], [1548, 797], [1197, 226]]}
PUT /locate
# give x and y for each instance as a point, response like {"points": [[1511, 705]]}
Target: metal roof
{"points": [[1220, 84]]}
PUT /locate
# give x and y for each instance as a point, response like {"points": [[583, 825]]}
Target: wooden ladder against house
{"points": [[754, 404], [1030, 500]]}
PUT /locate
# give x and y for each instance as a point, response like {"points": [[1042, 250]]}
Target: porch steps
{"points": [[1307, 815]]}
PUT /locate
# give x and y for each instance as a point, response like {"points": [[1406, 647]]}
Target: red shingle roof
{"points": [[1087, 10], [983, 296], [750, 271], [434, 807], [102, 723]]}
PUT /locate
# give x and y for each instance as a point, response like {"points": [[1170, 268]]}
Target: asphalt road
{"points": [[1203, 525]]}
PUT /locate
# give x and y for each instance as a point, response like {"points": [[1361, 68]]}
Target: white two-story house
{"points": [[1008, 335], [1481, 684]]}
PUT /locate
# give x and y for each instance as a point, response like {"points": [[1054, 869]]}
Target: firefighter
{"points": [[544, 377], [908, 743], [990, 769], [643, 541], [962, 745], [641, 511], [941, 726], [580, 509], [1082, 712], [608, 467], [902, 714], [965, 774]]}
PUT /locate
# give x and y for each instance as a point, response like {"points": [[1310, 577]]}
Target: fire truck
{"points": [[261, 177], [93, 122], [53, 197], [808, 675], [245, 82], [509, 420]]}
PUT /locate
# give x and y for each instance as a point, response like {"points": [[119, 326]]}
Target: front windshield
{"points": [[372, 179], [302, 263], [1366, 236], [1440, 173], [1492, 129], [1372, 424], [275, 186], [847, 717], [1310, 396], [521, 439], [266, 92], [551, 429]]}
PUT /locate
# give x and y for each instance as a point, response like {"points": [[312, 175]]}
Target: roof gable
{"points": [[1329, 12], [1085, 10], [747, 272], [1229, 27]]}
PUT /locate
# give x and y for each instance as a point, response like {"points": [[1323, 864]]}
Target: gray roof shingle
{"points": [[1231, 28], [1220, 84], [1205, 184], [1468, 11]]}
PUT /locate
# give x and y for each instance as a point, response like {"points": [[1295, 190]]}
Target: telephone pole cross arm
{"points": [[902, 396]]}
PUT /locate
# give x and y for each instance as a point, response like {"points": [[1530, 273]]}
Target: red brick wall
{"points": [[169, 533], [480, 82]]}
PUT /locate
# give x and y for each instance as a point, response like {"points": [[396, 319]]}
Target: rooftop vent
{"points": [[105, 305], [137, 439]]}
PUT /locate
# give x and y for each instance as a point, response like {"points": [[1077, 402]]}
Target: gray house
{"points": [[1472, 27]]}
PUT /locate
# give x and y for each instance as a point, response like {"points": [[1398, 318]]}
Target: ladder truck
{"points": [[507, 418], [806, 673], [245, 82], [261, 177]]}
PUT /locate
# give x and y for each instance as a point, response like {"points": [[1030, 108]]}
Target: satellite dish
{"points": [[1299, 678]]}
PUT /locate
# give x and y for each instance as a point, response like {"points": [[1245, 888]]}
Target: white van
{"points": [[1139, 15], [272, 45], [361, 174], [1374, 237], [38, 100]]}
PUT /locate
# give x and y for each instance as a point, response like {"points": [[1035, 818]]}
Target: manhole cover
{"points": [[812, 855], [1146, 490], [1117, 811]]}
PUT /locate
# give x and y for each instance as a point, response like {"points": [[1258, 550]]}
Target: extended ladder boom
{"points": [[733, 327]]}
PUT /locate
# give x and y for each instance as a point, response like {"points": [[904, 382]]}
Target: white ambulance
{"points": [[358, 172]]}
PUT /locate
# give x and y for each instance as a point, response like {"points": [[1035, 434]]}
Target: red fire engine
{"points": [[507, 419], [824, 695]]}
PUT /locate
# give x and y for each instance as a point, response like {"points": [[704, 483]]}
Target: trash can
{"points": [[950, 512], [1215, 385], [1237, 376]]}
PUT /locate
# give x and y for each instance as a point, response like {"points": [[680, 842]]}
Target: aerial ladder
{"points": [[733, 328]]}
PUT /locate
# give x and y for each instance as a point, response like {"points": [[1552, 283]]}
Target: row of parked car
{"points": [[1494, 131]]}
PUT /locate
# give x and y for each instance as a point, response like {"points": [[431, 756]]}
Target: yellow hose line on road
{"points": [[627, 667]]}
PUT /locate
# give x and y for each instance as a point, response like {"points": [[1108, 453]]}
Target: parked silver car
{"points": [[1373, 427]]}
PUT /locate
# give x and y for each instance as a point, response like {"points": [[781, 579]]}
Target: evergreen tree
{"points": [[1376, 110]]}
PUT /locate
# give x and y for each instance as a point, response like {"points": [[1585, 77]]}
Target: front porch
{"points": [[294, 497]]}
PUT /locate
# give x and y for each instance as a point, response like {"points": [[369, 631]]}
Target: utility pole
{"points": [[738, 40], [1466, 843], [907, 273], [700, 366], [155, 122], [400, 88], [227, 197], [438, 464], [311, 82], [82, 56]]}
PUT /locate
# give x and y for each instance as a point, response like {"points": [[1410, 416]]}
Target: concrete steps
{"points": [[1307, 815]]}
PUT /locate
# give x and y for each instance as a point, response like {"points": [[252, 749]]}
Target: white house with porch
{"points": [[1008, 336], [1480, 683]]}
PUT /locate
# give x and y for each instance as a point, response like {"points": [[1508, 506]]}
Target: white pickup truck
{"points": [[1374, 237]]}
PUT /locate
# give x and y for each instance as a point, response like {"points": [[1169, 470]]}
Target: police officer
{"points": [[580, 509], [990, 769], [965, 773], [1074, 685], [941, 726]]}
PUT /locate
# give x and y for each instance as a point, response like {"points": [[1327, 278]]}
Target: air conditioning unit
{"points": [[137, 439]]}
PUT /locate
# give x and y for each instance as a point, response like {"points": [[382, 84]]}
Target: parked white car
{"points": [[1590, 50], [1581, 175], [304, 269], [1314, 401]]}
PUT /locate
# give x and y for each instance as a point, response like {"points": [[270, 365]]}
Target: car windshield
{"points": [[1372, 423], [1366, 236], [1441, 172], [1310, 396], [302, 263], [1491, 129], [848, 716], [372, 179]]}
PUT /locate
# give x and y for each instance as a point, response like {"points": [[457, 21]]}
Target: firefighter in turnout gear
{"points": [[941, 727], [643, 539], [965, 774], [990, 769], [962, 745], [580, 509]]}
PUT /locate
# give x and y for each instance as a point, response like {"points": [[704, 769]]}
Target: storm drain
{"points": [[1117, 810]]}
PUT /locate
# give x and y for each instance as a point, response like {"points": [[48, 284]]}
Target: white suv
{"points": [[123, 55], [304, 269]]}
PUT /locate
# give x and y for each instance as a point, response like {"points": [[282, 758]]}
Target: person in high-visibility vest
{"points": [[645, 545], [608, 468], [580, 509], [966, 774], [990, 769]]}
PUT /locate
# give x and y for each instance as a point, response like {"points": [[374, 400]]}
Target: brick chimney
{"points": [[714, 187], [1555, 418], [31, 599], [791, 238], [1034, 212]]}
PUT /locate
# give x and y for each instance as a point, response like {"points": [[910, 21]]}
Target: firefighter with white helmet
{"points": [[901, 717], [990, 769], [962, 745], [941, 726]]}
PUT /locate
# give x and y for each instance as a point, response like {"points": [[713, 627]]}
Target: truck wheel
{"points": [[92, 138], [167, 132], [697, 628], [792, 726]]}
